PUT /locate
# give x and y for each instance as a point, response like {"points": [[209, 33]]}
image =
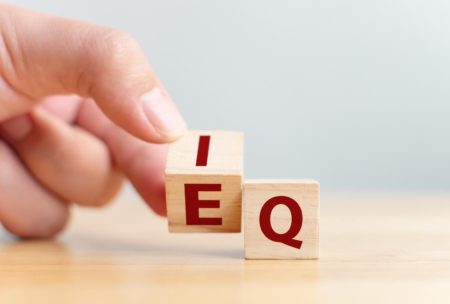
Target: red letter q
{"points": [[296, 221]]}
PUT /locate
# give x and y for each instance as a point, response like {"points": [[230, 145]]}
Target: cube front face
{"points": [[281, 219], [204, 182], [215, 203]]}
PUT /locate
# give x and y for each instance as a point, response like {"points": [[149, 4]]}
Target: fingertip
{"points": [[151, 189], [157, 203], [163, 115], [152, 117], [146, 172], [40, 228]]}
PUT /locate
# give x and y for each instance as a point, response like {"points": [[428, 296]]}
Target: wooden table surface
{"points": [[375, 248]]}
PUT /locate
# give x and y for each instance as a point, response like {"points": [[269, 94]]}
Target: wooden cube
{"points": [[281, 219], [204, 182]]}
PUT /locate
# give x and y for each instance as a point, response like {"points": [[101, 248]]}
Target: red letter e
{"points": [[193, 204]]}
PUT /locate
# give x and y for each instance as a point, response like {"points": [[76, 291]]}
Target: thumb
{"points": [[42, 55]]}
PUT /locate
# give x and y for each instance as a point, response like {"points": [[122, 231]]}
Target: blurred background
{"points": [[353, 93]]}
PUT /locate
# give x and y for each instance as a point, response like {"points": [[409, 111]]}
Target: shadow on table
{"points": [[95, 246]]}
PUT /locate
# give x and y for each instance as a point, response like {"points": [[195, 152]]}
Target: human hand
{"points": [[71, 95]]}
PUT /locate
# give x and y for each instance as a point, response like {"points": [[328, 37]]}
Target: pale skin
{"points": [[80, 112]]}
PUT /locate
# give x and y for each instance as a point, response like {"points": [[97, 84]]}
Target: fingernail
{"points": [[17, 128], [163, 114]]}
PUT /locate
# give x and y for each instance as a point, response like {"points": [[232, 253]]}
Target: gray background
{"points": [[352, 93]]}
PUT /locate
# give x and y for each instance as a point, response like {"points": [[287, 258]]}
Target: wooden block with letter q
{"points": [[204, 182], [281, 219]]}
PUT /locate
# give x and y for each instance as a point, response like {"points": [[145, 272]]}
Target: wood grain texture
{"points": [[375, 248], [305, 193], [224, 167]]}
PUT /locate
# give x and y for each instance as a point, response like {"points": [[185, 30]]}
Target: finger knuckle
{"points": [[116, 48], [107, 194], [113, 55]]}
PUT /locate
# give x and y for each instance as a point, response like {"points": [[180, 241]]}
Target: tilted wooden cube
{"points": [[204, 182], [281, 219]]}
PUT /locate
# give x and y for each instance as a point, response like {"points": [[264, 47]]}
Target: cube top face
{"points": [[204, 182], [285, 184], [281, 219], [195, 154]]}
